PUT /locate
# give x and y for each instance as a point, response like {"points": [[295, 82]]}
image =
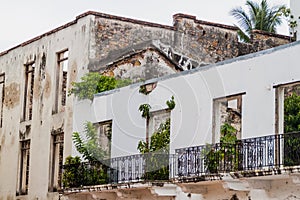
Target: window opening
{"points": [[28, 91], [24, 167], [57, 146], [61, 80], [2, 92]]}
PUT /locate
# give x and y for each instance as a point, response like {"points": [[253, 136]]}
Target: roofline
{"points": [[98, 14], [135, 21], [125, 19], [272, 34], [192, 17]]}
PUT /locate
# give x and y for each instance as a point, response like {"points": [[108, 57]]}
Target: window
{"points": [[61, 80], [2, 85], [156, 119], [56, 162], [287, 103], [227, 110], [105, 134], [28, 92], [24, 167], [287, 94]]}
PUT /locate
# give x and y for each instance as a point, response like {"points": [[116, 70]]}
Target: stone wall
{"points": [[202, 41]]}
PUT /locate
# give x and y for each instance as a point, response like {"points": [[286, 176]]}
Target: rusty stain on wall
{"points": [[73, 73], [12, 95], [47, 87]]}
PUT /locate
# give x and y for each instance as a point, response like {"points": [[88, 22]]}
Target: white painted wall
{"points": [[194, 91]]}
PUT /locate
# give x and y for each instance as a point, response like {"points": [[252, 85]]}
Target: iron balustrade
{"points": [[133, 168], [260, 153], [142, 167]]}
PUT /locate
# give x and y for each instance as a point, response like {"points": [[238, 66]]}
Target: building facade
{"points": [[38, 116]]}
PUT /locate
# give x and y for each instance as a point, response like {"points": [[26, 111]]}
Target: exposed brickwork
{"points": [[204, 42]]}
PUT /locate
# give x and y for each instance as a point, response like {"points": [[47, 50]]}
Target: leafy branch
{"points": [[90, 147], [93, 83], [145, 110], [171, 103]]}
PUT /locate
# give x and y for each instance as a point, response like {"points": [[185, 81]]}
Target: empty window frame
{"points": [[105, 135], [227, 110], [157, 118], [56, 162], [24, 165], [284, 93], [287, 98], [2, 92], [28, 92], [61, 80]]}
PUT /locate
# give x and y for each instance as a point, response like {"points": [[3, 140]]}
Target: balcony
{"points": [[267, 155]]}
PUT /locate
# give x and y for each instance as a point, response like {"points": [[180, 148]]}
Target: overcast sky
{"points": [[22, 20]]}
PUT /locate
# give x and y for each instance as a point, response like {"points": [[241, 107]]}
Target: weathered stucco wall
{"points": [[43, 52]]}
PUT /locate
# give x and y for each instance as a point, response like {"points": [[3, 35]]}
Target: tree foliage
{"points": [[89, 147], [77, 174], [291, 124], [156, 155], [222, 156], [93, 83], [171, 103], [292, 113], [159, 141], [145, 110], [257, 17]]}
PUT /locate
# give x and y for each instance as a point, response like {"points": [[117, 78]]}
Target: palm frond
{"points": [[258, 16]]}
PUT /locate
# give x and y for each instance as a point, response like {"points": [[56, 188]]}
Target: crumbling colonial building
{"points": [[38, 117]]}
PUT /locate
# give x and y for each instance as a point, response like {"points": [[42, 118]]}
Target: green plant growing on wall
{"points": [[171, 103], [157, 153], [160, 140], [93, 83], [143, 90], [123, 82], [145, 110], [223, 156]]}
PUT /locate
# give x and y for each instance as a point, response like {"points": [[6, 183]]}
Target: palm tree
{"points": [[259, 16]]}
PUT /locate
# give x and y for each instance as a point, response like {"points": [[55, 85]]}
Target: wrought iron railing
{"points": [[85, 174], [134, 168], [142, 167], [260, 153]]}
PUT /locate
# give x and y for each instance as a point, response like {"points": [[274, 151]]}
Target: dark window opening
{"points": [[2, 92], [28, 92], [61, 80], [24, 167], [56, 160]]}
